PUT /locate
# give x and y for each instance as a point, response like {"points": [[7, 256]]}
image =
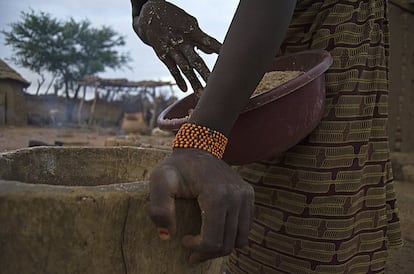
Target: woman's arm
{"points": [[225, 199], [253, 39]]}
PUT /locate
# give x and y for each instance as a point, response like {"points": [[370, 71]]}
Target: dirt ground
{"points": [[19, 137], [401, 260]]}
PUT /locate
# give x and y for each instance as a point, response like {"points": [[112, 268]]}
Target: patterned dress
{"points": [[328, 204]]}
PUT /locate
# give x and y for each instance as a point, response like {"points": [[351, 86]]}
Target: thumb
{"points": [[207, 43], [164, 182]]}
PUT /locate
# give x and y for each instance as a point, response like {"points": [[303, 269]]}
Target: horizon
{"points": [[144, 65]]}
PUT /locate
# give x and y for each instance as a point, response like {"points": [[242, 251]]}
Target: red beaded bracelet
{"points": [[193, 136]]}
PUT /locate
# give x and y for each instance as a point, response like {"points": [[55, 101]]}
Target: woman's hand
{"points": [[173, 34], [225, 200]]}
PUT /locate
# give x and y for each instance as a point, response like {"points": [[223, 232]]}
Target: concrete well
{"points": [[84, 210]]}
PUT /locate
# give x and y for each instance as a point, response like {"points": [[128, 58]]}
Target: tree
{"points": [[67, 50]]}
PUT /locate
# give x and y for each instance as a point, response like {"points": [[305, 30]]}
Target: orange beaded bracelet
{"points": [[193, 136]]}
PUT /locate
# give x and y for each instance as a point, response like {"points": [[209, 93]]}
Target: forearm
{"points": [[252, 41]]}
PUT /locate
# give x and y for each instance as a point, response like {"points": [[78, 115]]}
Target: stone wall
{"points": [[51, 109]]}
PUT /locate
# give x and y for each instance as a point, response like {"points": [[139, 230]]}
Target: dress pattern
{"points": [[328, 204]]}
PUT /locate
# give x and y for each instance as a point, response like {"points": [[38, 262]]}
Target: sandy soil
{"points": [[19, 137], [401, 260]]}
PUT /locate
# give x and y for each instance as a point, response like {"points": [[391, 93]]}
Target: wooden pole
{"points": [[154, 108], [81, 106], [95, 98]]}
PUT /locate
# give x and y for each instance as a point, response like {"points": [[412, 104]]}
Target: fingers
{"points": [[164, 183], [207, 43], [187, 69], [224, 227], [196, 62], [210, 239], [245, 220], [175, 72], [181, 59], [218, 233], [199, 257], [230, 234], [186, 59]]}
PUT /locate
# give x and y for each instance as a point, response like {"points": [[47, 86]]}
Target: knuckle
{"points": [[207, 41], [250, 195], [226, 251], [242, 243], [249, 192], [157, 211], [223, 194], [185, 67], [213, 247], [158, 216], [176, 56], [157, 176], [198, 65]]}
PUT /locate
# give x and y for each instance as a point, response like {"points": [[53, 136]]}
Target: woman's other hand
{"points": [[174, 35]]}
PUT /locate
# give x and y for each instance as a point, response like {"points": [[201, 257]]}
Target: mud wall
{"points": [[51, 109], [12, 103], [401, 99]]}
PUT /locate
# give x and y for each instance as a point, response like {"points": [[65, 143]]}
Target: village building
{"points": [[12, 99]]}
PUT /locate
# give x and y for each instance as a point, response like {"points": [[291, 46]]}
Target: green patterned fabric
{"points": [[328, 204]]}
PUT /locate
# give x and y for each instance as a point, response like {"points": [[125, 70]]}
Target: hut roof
{"points": [[6, 72], [102, 82]]}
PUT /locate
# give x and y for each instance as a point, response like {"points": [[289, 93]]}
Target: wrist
{"points": [[199, 137]]}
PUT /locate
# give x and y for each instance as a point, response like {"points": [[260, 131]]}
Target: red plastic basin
{"points": [[274, 121]]}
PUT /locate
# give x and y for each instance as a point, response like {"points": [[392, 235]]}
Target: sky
{"points": [[213, 16]]}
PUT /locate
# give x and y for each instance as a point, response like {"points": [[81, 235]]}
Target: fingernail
{"points": [[164, 234]]}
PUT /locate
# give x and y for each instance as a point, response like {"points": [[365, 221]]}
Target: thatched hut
{"points": [[12, 100]]}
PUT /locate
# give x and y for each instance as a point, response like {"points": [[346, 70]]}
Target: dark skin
{"points": [[225, 199], [174, 34]]}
